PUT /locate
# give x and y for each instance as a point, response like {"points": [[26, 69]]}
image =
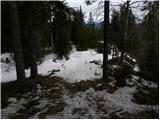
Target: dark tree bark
{"points": [[34, 71], [105, 45], [33, 42], [125, 30], [52, 45], [18, 53]]}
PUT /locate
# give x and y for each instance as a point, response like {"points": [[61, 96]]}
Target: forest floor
{"points": [[69, 93]]}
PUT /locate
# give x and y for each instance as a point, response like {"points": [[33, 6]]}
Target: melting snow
{"points": [[16, 105], [143, 82], [11, 99], [11, 109], [136, 68], [96, 104], [86, 104]]}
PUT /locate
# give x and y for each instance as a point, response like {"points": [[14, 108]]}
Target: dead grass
{"points": [[18, 88], [52, 110], [84, 85], [22, 87], [117, 61], [49, 82], [15, 89]]}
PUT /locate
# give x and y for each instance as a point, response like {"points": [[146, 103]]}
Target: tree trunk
{"points": [[18, 53], [52, 46], [34, 71], [105, 45], [125, 30], [33, 54]]}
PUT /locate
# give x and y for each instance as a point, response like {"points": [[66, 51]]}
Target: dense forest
{"points": [[57, 64]]}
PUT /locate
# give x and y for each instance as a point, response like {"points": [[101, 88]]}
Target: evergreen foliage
{"points": [[62, 31], [150, 56], [54, 24], [78, 34], [117, 30]]}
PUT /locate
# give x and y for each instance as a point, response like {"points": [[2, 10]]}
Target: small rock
{"points": [[91, 90], [95, 62], [99, 85], [36, 98], [52, 72]]}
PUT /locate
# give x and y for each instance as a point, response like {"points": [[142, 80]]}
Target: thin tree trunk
{"points": [[34, 71], [105, 45], [18, 53], [125, 31], [52, 46], [33, 54]]}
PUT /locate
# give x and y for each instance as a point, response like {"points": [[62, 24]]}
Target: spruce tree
{"points": [[91, 21], [150, 56], [125, 31], [91, 33], [78, 35], [62, 30]]}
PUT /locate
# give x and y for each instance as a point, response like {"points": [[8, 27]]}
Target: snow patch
{"points": [[96, 104], [136, 68], [12, 100], [11, 109], [77, 68]]}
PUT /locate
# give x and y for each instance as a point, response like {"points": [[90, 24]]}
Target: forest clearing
{"points": [[59, 61]]}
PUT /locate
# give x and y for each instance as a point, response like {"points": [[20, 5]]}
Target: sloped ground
{"points": [[48, 97], [72, 89]]}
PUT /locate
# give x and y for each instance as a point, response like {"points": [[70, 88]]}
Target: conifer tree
{"points": [[62, 30], [78, 35], [125, 30], [91, 33], [91, 21], [150, 57]]}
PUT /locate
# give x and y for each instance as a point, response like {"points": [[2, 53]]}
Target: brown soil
{"points": [[22, 87]]}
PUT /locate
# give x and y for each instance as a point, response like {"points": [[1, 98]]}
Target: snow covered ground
{"points": [[97, 104], [90, 103], [33, 96], [84, 104], [76, 68]]}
